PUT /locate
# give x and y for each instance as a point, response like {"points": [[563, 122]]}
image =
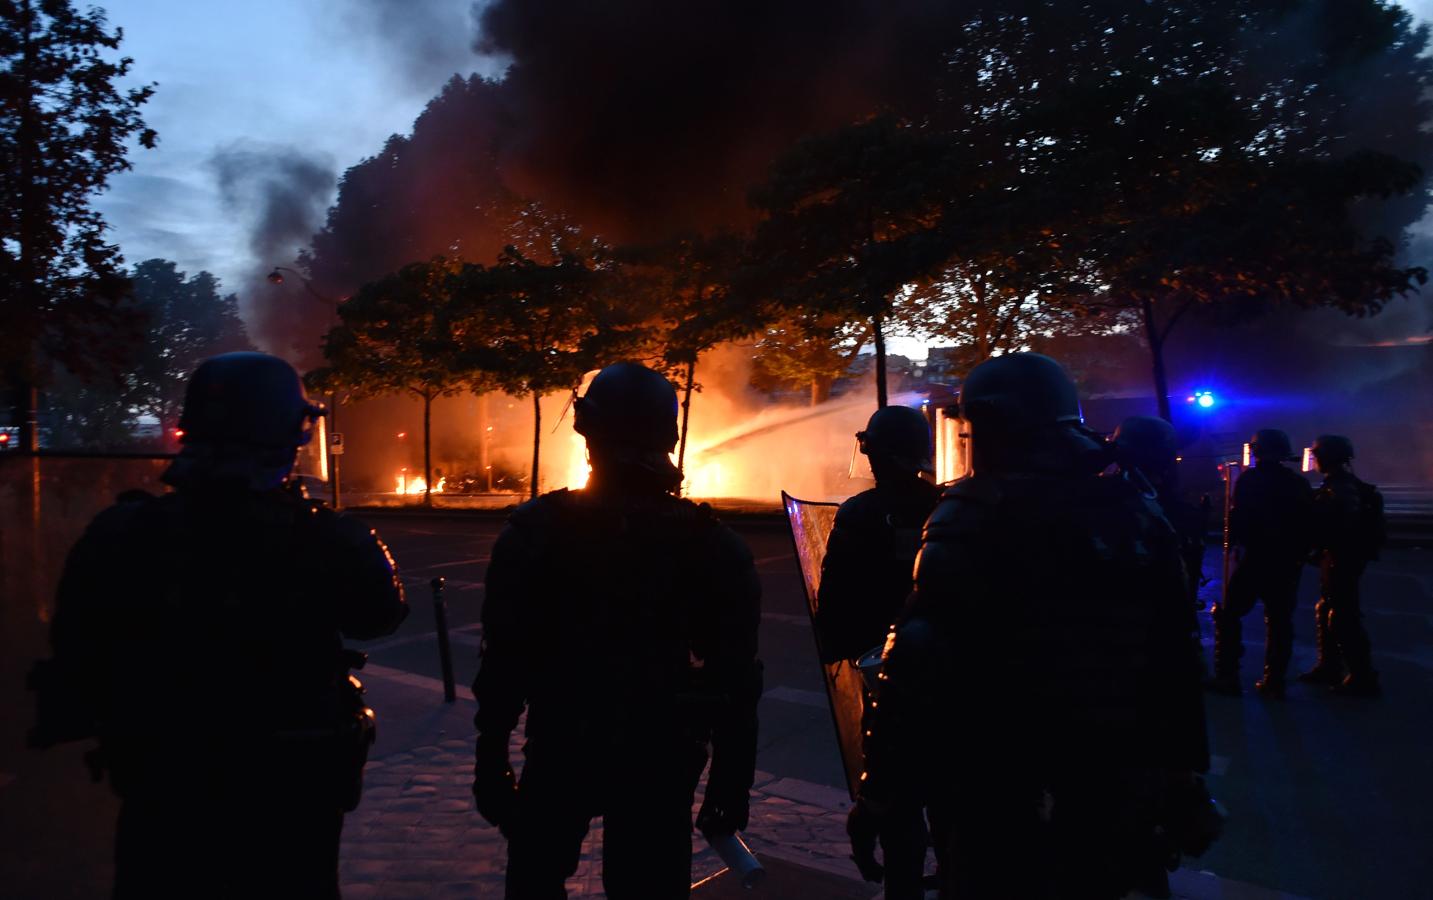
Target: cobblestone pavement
{"points": [[417, 835]]}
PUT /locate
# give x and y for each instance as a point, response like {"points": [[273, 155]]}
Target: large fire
{"points": [[704, 478], [416, 484]]}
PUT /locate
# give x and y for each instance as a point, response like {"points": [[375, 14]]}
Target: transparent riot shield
{"points": [[810, 527]]}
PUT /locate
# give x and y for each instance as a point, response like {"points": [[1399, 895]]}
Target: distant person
{"points": [[624, 619], [867, 575], [1042, 688], [1349, 531], [199, 635], [1148, 448], [1269, 529]]}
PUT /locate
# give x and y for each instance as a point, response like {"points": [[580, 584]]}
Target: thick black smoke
{"points": [[279, 195], [641, 116]]}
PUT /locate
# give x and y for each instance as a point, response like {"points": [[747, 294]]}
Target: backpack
{"points": [[1372, 523]]}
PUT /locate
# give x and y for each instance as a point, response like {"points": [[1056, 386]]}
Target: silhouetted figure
{"points": [[1349, 530], [198, 635], [1147, 449], [1041, 689], [1269, 527], [624, 619], [867, 575]]}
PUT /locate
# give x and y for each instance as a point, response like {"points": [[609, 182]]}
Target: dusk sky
{"points": [[329, 80]]}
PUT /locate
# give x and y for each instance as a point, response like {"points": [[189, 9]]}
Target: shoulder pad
{"points": [[858, 507], [540, 509], [975, 489], [963, 509]]}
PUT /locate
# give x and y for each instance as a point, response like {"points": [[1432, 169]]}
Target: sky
{"points": [[329, 79], [323, 80]]}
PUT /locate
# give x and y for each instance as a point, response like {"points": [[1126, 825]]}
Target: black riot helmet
{"points": [[1332, 451], [1024, 416], [1147, 443], [247, 399], [628, 405], [900, 435], [1019, 393], [1271, 445]]}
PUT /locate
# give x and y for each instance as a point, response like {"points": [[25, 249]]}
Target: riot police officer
{"points": [[866, 573], [1269, 526], [1147, 449], [1042, 685], [1348, 532], [624, 619], [866, 577], [198, 635]]}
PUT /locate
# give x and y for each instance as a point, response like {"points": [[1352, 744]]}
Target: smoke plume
{"points": [[279, 195]]}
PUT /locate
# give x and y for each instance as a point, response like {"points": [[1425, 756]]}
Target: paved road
{"points": [[1329, 796], [796, 723]]}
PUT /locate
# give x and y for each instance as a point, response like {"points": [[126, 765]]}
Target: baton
{"points": [[738, 858]]}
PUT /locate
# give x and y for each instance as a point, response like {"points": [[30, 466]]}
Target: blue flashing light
{"points": [[1202, 399]]}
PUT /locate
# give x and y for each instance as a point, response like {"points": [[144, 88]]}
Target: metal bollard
{"points": [[445, 650]]}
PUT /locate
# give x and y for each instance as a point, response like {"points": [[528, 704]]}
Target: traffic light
{"points": [[4, 439]]}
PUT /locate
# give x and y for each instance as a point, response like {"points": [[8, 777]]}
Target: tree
{"points": [[186, 321], [813, 349], [835, 242], [533, 327], [1208, 151], [682, 287], [64, 128], [393, 338], [1123, 157]]}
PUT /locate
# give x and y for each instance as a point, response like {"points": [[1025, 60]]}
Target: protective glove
{"points": [[864, 828], [723, 811], [494, 785]]}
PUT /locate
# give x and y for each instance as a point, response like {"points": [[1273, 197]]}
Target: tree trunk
{"points": [[485, 435], [26, 140], [536, 442], [820, 389], [427, 449], [880, 337], [334, 460], [1156, 360], [686, 415]]}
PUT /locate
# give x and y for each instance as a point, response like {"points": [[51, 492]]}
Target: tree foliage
{"points": [[1123, 157], [536, 328], [64, 130], [186, 321], [393, 338]]}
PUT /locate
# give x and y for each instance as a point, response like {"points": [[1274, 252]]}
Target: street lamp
{"points": [[276, 277]]}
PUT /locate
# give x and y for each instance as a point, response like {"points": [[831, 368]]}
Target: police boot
{"points": [[1347, 629], [1329, 669], [1228, 647], [1271, 685], [1278, 647]]}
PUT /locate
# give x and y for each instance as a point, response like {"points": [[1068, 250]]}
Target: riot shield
{"points": [[810, 527]]}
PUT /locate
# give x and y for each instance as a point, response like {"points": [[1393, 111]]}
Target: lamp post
{"points": [[277, 277]]}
